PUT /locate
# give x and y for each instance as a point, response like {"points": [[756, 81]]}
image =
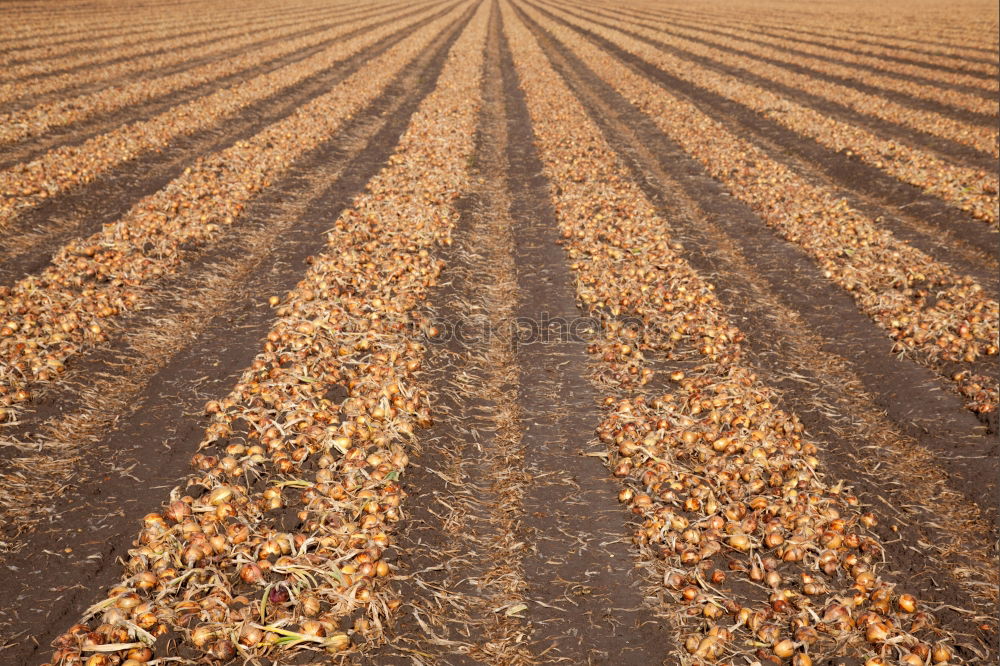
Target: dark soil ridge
{"points": [[166, 410], [771, 352], [32, 148], [959, 87], [950, 150], [427, 558], [83, 211], [854, 37], [830, 311], [443, 549], [916, 218], [83, 88], [300, 17], [587, 564]]}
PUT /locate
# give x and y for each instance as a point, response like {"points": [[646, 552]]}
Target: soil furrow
{"points": [[160, 386], [889, 45], [921, 220], [55, 38], [468, 494], [581, 560], [822, 384], [991, 60], [40, 232]]}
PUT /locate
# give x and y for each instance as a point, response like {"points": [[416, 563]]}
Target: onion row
{"points": [[858, 32], [983, 139], [252, 25], [27, 185], [37, 120], [826, 61]]}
